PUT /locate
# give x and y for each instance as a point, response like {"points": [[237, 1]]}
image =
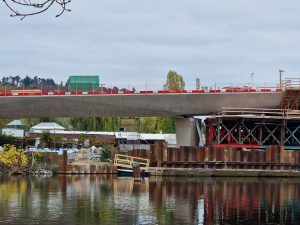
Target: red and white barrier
{"points": [[145, 92]]}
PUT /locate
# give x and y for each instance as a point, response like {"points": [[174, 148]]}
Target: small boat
{"points": [[125, 164], [129, 173]]}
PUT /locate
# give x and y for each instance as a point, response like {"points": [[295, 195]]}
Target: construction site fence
{"points": [[11, 90]]}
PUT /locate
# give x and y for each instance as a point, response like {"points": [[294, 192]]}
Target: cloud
{"points": [[139, 41]]}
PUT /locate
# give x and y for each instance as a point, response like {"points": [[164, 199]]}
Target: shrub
{"points": [[35, 157], [107, 153], [55, 168], [12, 158]]}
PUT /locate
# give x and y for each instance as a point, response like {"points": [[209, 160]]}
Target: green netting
{"points": [[83, 83]]}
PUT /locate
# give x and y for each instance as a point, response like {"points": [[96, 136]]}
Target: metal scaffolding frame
{"points": [[253, 127]]}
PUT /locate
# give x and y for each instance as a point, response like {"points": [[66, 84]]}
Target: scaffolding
{"points": [[254, 128]]}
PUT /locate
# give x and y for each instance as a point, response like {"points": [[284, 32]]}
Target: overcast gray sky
{"points": [[138, 41]]}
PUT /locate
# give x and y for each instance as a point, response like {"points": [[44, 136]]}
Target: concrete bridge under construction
{"points": [[132, 105], [180, 104]]}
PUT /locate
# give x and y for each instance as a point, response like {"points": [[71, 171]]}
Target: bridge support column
{"points": [[186, 132]]}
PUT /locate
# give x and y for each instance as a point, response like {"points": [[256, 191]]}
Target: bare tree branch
{"points": [[19, 8]]}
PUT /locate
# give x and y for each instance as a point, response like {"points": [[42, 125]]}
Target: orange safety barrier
{"points": [[128, 92], [197, 91], [214, 91], [40, 93], [146, 92]]}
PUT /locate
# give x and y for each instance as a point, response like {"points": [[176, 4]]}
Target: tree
{"points": [[47, 138], [8, 139], [174, 81], [24, 8]]}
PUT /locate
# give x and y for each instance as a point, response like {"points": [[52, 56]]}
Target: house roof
{"points": [[47, 126], [15, 123]]}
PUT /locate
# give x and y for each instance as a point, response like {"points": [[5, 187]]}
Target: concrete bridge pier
{"points": [[186, 132]]}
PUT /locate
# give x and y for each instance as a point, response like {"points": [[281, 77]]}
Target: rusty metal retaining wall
{"points": [[274, 157]]}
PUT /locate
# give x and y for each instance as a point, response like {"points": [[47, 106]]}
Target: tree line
{"points": [[27, 81]]}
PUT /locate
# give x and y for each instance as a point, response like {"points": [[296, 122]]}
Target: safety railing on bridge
{"points": [[291, 83], [128, 89], [125, 161], [259, 113]]}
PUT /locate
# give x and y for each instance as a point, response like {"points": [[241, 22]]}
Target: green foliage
{"points": [[149, 125], [166, 124], [47, 138], [174, 81], [95, 124], [3, 122], [38, 157], [107, 153], [55, 168], [157, 124], [28, 82], [8, 139]]}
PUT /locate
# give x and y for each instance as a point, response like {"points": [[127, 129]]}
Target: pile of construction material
{"points": [[86, 154]]}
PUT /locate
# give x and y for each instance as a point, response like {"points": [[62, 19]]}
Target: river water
{"points": [[94, 199]]}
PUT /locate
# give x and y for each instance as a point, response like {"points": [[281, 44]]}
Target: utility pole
{"points": [[197, 84], [280, 77], [252, 74]]}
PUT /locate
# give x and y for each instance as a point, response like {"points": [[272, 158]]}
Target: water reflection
{"points": [[96, 199]]}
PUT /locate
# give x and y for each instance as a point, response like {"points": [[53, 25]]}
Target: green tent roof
{"points": [[83, 79]]}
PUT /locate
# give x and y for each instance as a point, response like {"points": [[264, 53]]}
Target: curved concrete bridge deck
{"points": [[148, 104]]}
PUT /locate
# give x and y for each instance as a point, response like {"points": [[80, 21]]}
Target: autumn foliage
{"points": [[12, 159]]}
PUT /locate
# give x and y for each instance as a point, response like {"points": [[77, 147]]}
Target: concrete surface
{"points": [[132, 105], [186, 132]]}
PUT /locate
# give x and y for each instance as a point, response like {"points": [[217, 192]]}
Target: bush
{"points": [[8, 139], [107, 153], [54, 168], [12, 158], [36, 157]]}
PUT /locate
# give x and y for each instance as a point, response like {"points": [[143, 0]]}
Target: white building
{"points": [[125, 140], [47, 127], [14, 128]]}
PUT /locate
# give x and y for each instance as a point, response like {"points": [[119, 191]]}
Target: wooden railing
{"points": [[125, 161]]}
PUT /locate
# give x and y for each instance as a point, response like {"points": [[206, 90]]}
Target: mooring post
{"points": [[65, 161], [136, 171]]}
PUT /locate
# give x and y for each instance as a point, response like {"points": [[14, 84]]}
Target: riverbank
{"points": [[187, 172], [87, 167]]}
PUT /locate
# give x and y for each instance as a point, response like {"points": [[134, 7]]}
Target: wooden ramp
{"points": [[126, 162]]}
